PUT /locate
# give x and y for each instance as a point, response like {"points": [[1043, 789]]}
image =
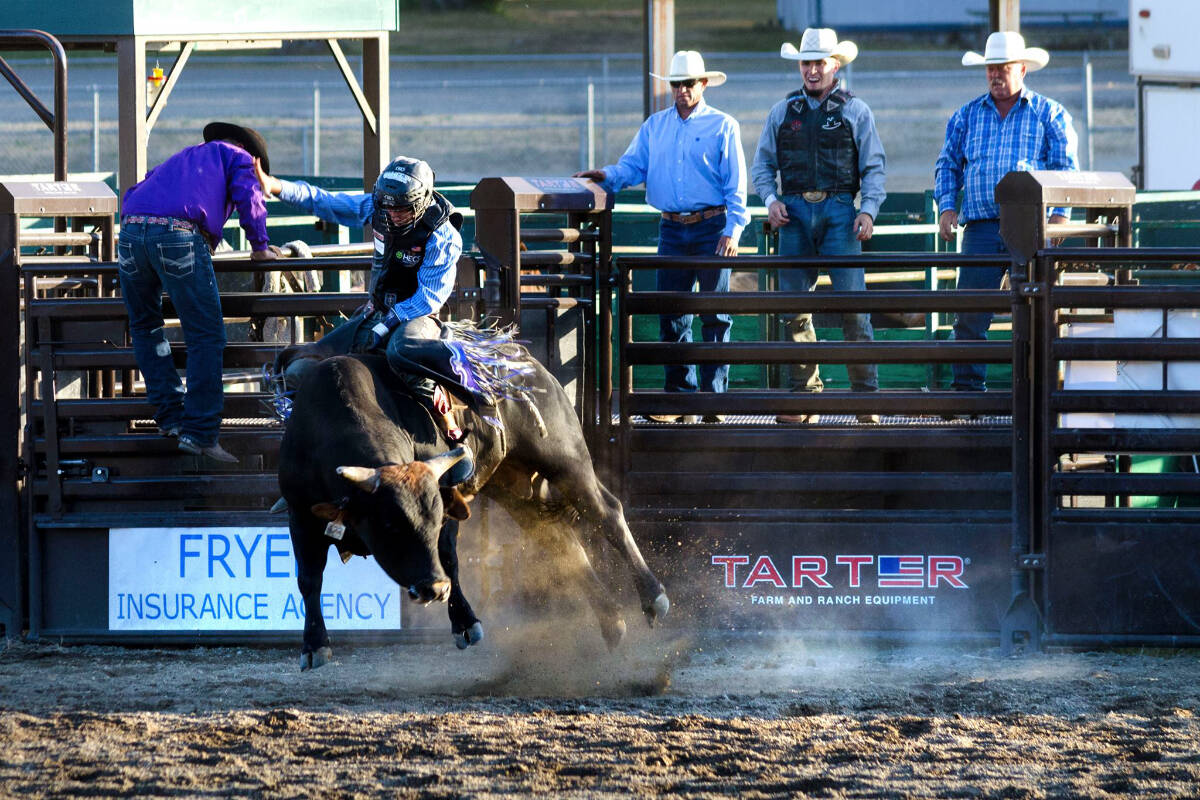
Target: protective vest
{"points": [[815, 148], [398, 257]]}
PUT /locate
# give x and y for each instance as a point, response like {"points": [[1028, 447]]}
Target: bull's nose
{"points": [[430, 591]]}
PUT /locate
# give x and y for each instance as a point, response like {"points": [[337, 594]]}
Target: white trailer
{"points": [[1164, 58]]}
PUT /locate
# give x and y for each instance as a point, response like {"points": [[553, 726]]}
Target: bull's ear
{"points": [[454, 504], [327, 511], [365, 478]]}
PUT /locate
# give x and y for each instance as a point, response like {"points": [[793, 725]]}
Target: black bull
{"points": [[358, 451]]}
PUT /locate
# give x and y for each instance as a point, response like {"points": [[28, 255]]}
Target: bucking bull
{"points": [[364, 467]]}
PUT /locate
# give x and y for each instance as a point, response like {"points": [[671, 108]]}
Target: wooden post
{"points": [[658, 17], [376, 143], [131, 111], [1004, 15]]}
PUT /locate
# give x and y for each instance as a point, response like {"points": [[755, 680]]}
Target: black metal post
{"points": [[1021, 625], [12, 601]]}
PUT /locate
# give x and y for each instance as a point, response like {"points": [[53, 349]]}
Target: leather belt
{"points": [[173, 222], [694, 216], [814, 196]]}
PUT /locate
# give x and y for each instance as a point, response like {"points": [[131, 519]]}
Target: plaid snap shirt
{"points": [[981, 148]]}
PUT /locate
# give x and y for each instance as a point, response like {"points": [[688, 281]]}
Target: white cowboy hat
{"points": [[688, 65], [820, 43], [1004, 47]]}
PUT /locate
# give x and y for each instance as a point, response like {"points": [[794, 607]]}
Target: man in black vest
{"points": [[821, 144]]}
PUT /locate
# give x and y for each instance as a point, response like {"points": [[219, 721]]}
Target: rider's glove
{"points": [[381, 329]]}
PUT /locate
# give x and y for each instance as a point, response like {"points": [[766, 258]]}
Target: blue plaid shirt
{"points": [[981, 149]]}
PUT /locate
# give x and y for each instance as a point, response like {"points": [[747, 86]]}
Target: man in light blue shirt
{"points": [[821, 144], [690, 158], [1009, 128]]}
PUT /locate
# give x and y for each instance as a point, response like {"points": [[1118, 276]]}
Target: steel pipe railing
{"points": [[1081, 229], [57, 122], [564, 235], [554, 258], [35, 238], [796, 302]]}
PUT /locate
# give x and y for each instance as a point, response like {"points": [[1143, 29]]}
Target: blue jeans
{"points": [[697, 239], [978, 238], [157, 257], [826, 229]]}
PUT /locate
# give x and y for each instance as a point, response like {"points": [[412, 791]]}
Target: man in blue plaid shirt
{"points": [[1011, 128]]}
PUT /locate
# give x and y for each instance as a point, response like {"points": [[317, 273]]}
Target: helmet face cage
{"points": [[405, 183]]}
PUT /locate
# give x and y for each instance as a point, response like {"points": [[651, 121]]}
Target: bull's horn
{"points": [[440, 463], [280, 505], [365, 478]]}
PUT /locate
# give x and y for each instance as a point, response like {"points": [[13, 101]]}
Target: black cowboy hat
{"points": [[250, 140]]}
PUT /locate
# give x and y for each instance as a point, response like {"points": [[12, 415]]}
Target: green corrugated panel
{"points": [[1160, 464], [178, 18]]}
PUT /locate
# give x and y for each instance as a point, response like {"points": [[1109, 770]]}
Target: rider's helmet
{"points": [[405, 183]]}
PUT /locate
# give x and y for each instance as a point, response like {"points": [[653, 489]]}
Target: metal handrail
{"points": [[57, 121]]}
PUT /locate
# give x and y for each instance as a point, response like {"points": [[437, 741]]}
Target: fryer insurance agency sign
{"points": [[221, 579]]}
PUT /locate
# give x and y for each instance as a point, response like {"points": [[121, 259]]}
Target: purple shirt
{"points": [[203, 184]]}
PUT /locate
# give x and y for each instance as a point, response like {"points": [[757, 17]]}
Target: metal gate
{"points": [[1114, 439], [903, 526], [1020, 523]]}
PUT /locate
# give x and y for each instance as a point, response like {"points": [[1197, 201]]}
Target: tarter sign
{"points": [[186, 579], [845, 571]]}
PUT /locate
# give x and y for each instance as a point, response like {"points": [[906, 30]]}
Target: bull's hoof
{"points": [[320, 658], [658, 609], [472, 635], [613, 632]]}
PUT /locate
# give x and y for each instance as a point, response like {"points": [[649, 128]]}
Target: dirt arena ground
{"points": [[533, 713]]}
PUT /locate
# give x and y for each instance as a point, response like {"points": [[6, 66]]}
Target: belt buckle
{"points": [[815, 197]]}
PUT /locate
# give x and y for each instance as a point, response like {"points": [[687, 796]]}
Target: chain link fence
{"points": [[473, 116]]}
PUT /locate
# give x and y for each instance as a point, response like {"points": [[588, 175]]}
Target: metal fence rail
{"points": [[1094, 511], [633, 353], [1095, 551]]}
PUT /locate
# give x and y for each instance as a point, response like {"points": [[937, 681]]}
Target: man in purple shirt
{"points": [[170, 222]]}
